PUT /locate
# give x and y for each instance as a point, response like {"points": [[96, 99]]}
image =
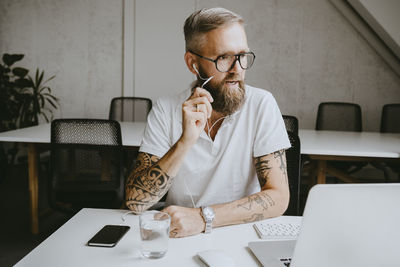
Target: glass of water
{"points": [[154, 232]]}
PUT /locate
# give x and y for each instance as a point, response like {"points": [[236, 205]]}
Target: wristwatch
{"points": [[208, 216]]}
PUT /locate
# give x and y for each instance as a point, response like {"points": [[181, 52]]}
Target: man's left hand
{"points": [[185, 221]]}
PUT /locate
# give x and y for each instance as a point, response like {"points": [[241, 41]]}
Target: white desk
{"points": [[319, 145], [38, 139], [347, 146], [67, 246]]}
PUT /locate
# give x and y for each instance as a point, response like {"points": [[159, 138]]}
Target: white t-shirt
{"points": [[222, 170]]}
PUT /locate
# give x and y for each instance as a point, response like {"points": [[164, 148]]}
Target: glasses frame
{"points": [[237, 58]]}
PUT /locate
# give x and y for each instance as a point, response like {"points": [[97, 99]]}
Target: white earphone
{"points": [[194, 67], [206, 79]]}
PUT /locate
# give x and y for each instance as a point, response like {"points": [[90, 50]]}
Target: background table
{"points": [[67, 246], [38, 139], [347, 146]]}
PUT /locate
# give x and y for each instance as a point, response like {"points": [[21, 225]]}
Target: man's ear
{"points": [[190, 62]]}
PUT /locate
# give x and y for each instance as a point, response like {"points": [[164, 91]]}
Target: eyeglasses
{"points": [[225, 63]]}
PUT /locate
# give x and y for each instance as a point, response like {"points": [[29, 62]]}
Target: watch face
{"points": [[208, 213]]}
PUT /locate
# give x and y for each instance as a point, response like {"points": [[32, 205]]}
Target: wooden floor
{"points": [[15, 238]]}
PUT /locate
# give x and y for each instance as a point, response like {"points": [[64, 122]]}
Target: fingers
{"points": [[184, 221], [199, 92], [201, 104], [198, 113], [174, 229]]}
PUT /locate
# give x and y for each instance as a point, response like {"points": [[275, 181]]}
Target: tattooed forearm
{"points": [[259, 203], [146, 184], [254, 217], [262, 168], [261, 199]]}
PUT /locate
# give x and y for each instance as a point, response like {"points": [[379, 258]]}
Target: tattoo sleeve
{"points": [[262, 169], [270, 169], [147, 184], [281, 157]]}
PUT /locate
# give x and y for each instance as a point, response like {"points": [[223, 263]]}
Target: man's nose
{"points": [[235, 68]]}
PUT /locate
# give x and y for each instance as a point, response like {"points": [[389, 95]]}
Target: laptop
{"points": [[343, 225]]}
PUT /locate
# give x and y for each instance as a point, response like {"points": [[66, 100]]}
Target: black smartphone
{"points": [[108, 236]]}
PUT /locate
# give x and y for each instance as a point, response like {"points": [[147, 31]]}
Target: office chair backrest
{"points": [[337, 116], [390, 121], [293, 170], [130, 108], [291, 123], [86, 166]]}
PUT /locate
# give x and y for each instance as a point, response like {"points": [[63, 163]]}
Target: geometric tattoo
{"points": [[147, 184], [261, 199]]}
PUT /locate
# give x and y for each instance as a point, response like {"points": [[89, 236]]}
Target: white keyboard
{"points": [[277, 231]]}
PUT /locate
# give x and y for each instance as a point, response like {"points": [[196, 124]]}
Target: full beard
{"points": [[226, 101]]}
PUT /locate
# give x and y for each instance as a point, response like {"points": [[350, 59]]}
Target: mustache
{"points": [[231, 77]]}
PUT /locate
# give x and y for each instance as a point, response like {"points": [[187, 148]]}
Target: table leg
{"points": [[341, 175], [321, 168], [33, 187]]}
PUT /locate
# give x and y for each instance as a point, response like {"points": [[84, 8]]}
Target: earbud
{"points": [[206, 79], [194, 67]]}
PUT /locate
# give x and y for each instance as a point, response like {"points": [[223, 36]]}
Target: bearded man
{"points": [[218, 148]]}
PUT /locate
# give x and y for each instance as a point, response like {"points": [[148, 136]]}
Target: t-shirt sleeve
{"points": [[271, 132], [156, 139]]}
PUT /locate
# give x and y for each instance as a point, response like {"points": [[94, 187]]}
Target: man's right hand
{"points": [[195, 112]]}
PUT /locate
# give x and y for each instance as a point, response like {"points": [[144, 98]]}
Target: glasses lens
{"points": [[225, 63], [246, 60]]}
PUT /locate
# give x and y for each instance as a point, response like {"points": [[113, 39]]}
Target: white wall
{"points": [[159, 47], [78, 41], [306, 52]]}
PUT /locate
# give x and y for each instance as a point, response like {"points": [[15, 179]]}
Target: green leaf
{"points": [[45, 88], [45, 117], [23, 83], [51, 96], [52, 103], [39, 82], [42, 101], [20, 72], [49, 79], [11, 59]]}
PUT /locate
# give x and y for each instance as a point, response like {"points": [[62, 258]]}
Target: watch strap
{"points": [[208, 219]]}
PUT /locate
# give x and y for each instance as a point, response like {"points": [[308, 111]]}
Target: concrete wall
{"points": [[78, 41], [306, 53]]}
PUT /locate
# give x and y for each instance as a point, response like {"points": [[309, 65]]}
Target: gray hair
{"points": [[206, 20]]}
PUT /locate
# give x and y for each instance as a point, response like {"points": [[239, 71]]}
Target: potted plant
{"points": [[23, 99], [36, 100], [11, 82]]}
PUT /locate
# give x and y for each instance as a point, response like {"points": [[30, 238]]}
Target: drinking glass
{"points": [[154, 233]]}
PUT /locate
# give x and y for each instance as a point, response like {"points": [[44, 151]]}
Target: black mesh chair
{"points": [[338, 116], [293, 171], [130, 108], [291, 124], [85, 165], [390, 120], [390, 123]]}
